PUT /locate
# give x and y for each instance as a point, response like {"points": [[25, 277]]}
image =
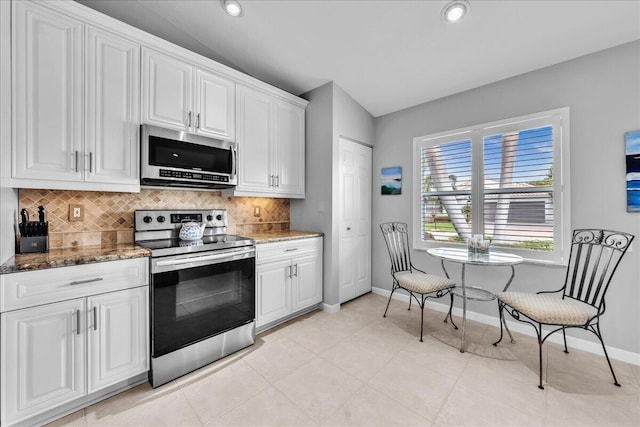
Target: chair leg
{"points": [[501, 321], [540, 342], [388, 302], [422, 316], [410, 298], [597, 330], [564, 336], [450, 310]]}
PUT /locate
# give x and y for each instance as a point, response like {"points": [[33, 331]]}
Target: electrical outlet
{"points": [[76, 212], [256, 211]]}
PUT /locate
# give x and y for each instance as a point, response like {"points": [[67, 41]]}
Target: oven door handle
{"points": [[212, 257]]}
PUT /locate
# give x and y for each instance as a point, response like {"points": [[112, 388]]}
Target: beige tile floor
{"points": [[357, 368]]}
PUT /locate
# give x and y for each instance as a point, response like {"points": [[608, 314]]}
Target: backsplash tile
{"points": [[108, 217]]}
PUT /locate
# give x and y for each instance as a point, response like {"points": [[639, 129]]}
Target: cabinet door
{"points": [[215, 106], [273, 291], [308, 281], [47, 94], [43, 358], [254, 141], [289, 135], [166, 91], [112, 117], [118, 336]]}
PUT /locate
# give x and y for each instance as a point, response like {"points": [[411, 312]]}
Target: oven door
{"points": [[197, 297]]}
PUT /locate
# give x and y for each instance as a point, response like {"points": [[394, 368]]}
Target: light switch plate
{"points": [[76, 212]]}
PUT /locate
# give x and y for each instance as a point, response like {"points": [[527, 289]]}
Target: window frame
{"points": [[559, 119]]}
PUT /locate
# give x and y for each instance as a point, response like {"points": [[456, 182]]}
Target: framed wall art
{"points": [[632, 142], [391, 180]]}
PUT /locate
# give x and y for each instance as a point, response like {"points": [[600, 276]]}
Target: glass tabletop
{"points": [[462, 255]]}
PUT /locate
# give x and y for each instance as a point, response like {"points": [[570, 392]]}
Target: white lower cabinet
{"points": [[43, 353], [288, 278], [117, 333], [59, 352]]}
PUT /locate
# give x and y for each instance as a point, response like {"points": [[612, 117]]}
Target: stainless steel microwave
{"points": [[171, 158]]}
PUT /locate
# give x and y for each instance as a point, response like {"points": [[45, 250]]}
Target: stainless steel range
{"points": [[202, 291]]}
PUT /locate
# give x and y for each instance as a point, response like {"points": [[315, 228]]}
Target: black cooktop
{"points": [[175, 246]]}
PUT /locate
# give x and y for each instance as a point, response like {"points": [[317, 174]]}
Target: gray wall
{"points": [[602, 91], [331, 114]]}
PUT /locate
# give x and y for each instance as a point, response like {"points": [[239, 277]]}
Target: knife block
{"points": [[34, 244]]}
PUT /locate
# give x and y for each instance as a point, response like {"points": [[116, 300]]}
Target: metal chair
{"points": [[406, 276], [579, 303]]}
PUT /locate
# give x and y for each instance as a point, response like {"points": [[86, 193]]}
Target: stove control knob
{"points": [[147, 219], [209, 217], [219, 217], [160, 218]]}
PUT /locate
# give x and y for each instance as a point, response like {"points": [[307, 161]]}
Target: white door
{"points": [[354, 220], [167, 91], [273, 291], [112, 117], [215, 106], [43, 358], [47, 94], [118, 336], [254, 140], [308, 281], [289, 135]]}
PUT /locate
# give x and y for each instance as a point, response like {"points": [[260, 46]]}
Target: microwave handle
{"points": [[234, 161]]}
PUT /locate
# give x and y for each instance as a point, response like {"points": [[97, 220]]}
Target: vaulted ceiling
{"points": [[387, 54]]}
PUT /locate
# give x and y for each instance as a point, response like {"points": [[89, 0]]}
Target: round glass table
{"points": [[463, 257]]}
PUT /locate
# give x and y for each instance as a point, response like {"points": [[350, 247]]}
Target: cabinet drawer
{"points": [[268, 252], [30, 288]]}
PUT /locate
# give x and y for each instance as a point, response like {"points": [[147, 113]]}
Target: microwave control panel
{"points": [[178, 174]]}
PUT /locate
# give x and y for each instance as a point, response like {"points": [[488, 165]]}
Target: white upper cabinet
{"points": [[178, 95], [215, 103], [112, 112], [82, 83], [289, 138], [166, 91], [47, 94], [255, 126], [270, 145], [75, 103]]}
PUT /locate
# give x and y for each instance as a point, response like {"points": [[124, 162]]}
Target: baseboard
{"points": [[332, 308], [524, 329]]}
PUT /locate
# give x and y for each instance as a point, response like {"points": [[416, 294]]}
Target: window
{"points": [[507, 180]]}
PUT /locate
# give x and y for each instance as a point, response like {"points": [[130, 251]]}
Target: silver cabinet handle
{"points": [[296, 273], [277, 180], [76, 159], [198, 121], [189, 119], [270, 180], [291, 249], [77, 314], [80, 282], [95, 318], [90, 162], [290, 272], [348, 228]]}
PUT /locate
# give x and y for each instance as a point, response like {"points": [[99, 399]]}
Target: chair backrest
{"points": [[595, 255], [397, 239]]}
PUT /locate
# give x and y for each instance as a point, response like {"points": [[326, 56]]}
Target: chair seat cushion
{"points": [[422, 283], [550, 309]]}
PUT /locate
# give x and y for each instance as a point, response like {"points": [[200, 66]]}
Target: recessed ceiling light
{"points": [[455, 10], [232, 7]]}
